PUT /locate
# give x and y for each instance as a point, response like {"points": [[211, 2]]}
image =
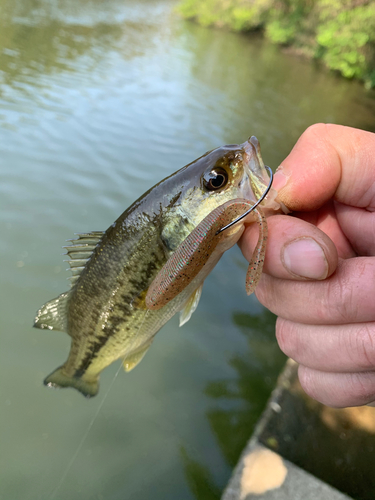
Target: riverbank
{"points": [[341, 34]]}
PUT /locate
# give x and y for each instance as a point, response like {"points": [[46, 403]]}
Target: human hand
{"points": [[319, 270]]}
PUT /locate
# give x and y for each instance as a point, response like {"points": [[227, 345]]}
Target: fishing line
{"points": [[86, 433]]}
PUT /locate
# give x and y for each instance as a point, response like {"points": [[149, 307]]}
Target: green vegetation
{"points": [[341, 33]]}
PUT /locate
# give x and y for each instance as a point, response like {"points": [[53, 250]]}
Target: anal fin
{"points": [[133, 359], [190, 305]]}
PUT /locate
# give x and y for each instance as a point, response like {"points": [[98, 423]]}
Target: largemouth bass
{"points": [[106, 312]]}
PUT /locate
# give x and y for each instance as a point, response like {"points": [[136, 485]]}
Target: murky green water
{"points": [[100, 100]]}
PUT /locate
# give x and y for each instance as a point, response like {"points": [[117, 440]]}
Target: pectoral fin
{"points": [[132, 361], [191, 305]]}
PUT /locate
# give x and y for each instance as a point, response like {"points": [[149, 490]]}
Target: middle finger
{"points": [[329, 348], [346, 297]]}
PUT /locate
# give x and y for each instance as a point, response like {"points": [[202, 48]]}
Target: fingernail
{"points": [[280, 178], [305, 258]]}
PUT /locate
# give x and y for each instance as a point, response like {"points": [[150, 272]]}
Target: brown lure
{"points": [[193, 253]]}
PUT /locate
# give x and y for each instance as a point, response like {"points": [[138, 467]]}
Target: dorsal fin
{"points": [[80, 251]]}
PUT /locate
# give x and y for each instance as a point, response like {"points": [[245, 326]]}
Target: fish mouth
{"points": [[255, 173], [253, 159]]}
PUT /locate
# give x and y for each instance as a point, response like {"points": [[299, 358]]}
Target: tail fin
{"points": [[59, 379]]}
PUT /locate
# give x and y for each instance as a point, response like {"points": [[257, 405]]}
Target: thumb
{"points": [[328, 161], [296, 249]]}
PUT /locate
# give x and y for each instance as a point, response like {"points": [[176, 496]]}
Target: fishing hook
{"points": [[254, 206]]}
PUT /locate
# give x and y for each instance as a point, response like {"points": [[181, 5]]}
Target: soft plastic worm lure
{"points": [[255, 268], [192, 255]]}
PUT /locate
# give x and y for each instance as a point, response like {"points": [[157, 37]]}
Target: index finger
{"points": [[329, 161]]}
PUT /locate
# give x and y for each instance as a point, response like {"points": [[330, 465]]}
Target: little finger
{"points": [[338, 389]]}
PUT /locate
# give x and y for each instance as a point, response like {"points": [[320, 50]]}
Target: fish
{"points": [[118, 299]]}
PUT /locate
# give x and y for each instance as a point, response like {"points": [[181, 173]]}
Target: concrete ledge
{"points": [[325, 453]]}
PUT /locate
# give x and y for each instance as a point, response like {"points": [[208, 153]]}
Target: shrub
{"points": [[340, 32]]}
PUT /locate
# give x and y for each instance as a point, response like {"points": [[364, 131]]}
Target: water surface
{"points": [[98, 102]]}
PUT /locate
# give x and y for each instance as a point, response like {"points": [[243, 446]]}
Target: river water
{"points": [[98, 102]]}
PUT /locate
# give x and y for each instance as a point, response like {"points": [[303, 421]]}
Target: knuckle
{"points": [[340, 302], [282, 335], [345, 299], [317, 129], [365, 346], [287, 338], [307, 379], [265, 292], [260, 293]]}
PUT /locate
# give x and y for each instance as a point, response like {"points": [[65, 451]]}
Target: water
{"points": [[98, 102]]}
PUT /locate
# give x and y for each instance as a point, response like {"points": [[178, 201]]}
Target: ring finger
{"points": [[331, 348], [338, 389]]}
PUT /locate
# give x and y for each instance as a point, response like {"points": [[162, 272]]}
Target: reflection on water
{"points": [[46, 45], [26, 56], [99, 101], [199, 479], [247, 394], [250, 388]]}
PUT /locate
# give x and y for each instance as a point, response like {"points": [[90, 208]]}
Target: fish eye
{"points": [[215, 179]]}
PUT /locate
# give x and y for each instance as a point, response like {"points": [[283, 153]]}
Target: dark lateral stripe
{"points": [[125, 310], [101, 341]]}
